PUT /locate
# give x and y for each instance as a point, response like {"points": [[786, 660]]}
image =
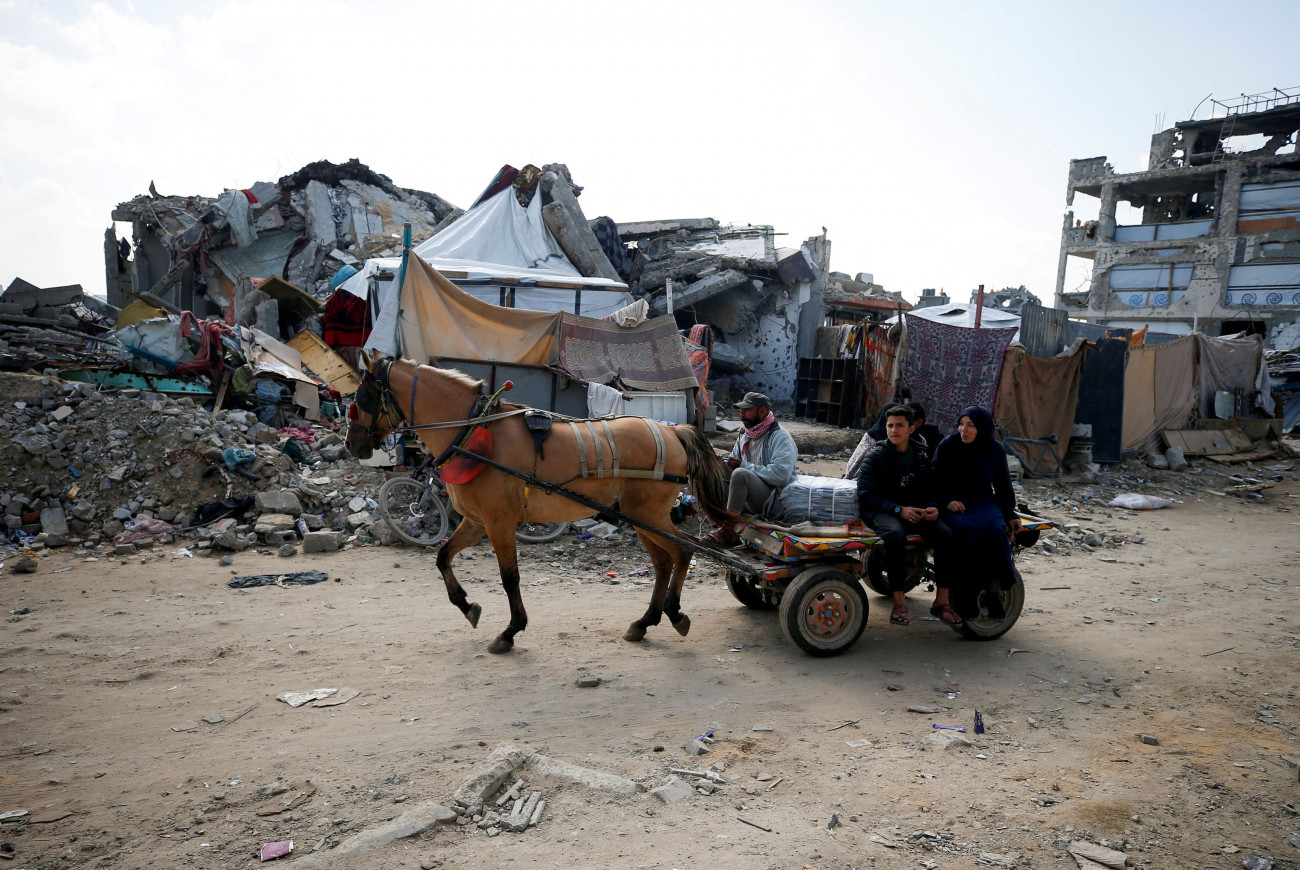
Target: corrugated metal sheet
{"points": [[1042, 330]]}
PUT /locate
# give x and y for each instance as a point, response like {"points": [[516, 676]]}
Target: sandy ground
{"points": [[1191, 637]]}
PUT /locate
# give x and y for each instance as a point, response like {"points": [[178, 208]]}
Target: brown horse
{"points": [[395, 394]]}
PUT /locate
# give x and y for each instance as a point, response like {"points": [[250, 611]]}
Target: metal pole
{"points": [[668, 292], [979, 307]]}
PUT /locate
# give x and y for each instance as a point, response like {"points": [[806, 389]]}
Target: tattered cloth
{"points": [[1040, 395], [648, 357], [346, 320], [880, 355], [699, 350], [953, 367]]}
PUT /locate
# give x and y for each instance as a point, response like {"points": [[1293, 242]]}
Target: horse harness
{"points": [[538, 423]]}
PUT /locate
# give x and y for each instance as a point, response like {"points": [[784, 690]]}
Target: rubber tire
{"points": [[875, 573], [401, 500], [540, 533], [802, 595], [879, 583], [1013, 602], [747, 592]]}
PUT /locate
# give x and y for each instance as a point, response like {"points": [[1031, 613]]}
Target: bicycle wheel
{"points": [[540, 533], [414, 511]]}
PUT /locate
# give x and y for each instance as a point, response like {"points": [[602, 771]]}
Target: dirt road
{"points": [[1191, 638]]}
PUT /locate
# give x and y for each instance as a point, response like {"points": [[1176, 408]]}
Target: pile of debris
{"points": [[88, 467], [302, 228]]}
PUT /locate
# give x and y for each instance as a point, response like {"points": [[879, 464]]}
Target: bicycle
{"points": [[416, 508], [1046, 447]]}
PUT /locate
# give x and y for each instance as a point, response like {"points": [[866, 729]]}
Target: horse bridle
{"points": [[375, 398]]}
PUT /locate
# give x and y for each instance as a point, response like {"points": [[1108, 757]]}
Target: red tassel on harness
{"points": [[462, 469]]}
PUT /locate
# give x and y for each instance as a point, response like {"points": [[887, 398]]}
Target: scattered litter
{"points": [[859, 744], [12, 814], [276, 850], [754, 824], [297, 578], [1137, 502]]}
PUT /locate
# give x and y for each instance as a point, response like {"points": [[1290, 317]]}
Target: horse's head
{"points": [[371, 416]]}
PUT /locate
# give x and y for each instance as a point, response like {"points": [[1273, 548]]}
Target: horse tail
{"points": [[705, 472]]}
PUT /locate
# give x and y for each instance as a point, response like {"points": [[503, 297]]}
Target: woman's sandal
{"points": [[899, 615], [946, 613]]}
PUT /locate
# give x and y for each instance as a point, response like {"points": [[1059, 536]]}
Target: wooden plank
{"points": [[328, 365], [1205, 442]]}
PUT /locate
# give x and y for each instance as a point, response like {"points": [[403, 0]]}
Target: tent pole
{"points": [[979, 306], [401, 277]]}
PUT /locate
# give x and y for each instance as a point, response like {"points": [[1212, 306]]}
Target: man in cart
{"points": [[761, 463], [897, 497]]}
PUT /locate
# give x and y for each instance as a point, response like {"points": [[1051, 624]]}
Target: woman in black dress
{"points": [[970, 469]]}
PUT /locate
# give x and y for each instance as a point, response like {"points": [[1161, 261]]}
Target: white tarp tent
{"points": [[963, 314], [501, 253]]}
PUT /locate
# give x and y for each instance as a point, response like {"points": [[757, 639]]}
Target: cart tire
{"points": [[983, 628], [540, 533], [824, 611], [414, 511], [879, 583], [748, 592]]}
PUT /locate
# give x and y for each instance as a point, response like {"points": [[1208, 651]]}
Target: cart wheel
{"points": [[750, 593], [982, 627], [823, 611], [875, 573], [876, 579], [540, 533]]}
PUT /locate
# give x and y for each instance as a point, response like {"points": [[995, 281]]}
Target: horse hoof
{"points": [[501, 645], [683, 625], [634, 633], [473, 614]]}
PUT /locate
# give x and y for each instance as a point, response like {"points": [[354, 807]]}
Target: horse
{"points": [[400, 395]]}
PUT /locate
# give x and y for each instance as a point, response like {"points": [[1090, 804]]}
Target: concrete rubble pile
{"points": [[130, 469], [302, 228], [35, 321]]}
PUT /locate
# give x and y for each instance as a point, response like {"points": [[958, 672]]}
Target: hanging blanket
{"points": [[952, 367], [649, 357], [880, 356]]}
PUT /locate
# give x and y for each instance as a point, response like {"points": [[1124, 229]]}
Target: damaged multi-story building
{"points": [[1217, 246]]}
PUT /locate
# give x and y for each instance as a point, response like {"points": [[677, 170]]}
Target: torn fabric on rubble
{"points": [[953, 367], [346, 320]]}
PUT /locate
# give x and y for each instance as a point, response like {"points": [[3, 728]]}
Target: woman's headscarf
{"points": [[877, 430], [984, 440]]}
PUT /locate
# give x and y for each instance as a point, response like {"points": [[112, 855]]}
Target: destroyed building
{"points": [[1217, 249], [191, 252]]}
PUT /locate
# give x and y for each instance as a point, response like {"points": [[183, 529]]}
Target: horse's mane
{"points": [[456, 376]]}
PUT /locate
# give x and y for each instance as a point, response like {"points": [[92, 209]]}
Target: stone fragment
{"points": [[675, 790], [278, 503], [588, 682], [1099, 854], [320, 542], [1150, 740]]}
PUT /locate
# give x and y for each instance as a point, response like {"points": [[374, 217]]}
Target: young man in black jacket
{"points": [[897, 498]]}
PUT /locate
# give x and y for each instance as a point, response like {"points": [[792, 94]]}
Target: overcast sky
{"points": [[932, 141]]}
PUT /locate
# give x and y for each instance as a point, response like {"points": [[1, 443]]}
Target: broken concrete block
{"points": [[700, 290], [1099, 854], [62, 412], [278, 503], [268, 524], [942, 740], [320, 542], [675, 790], [695, 747], [1177, 461]]}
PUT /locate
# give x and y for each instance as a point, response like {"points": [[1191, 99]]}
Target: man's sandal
{"points": [[899, 615], [946, 613]]}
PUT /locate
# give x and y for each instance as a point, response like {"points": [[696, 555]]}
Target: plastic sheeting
{"points": [[1041, 395], [1230, 363], [1159, 391], [819, 500]]}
